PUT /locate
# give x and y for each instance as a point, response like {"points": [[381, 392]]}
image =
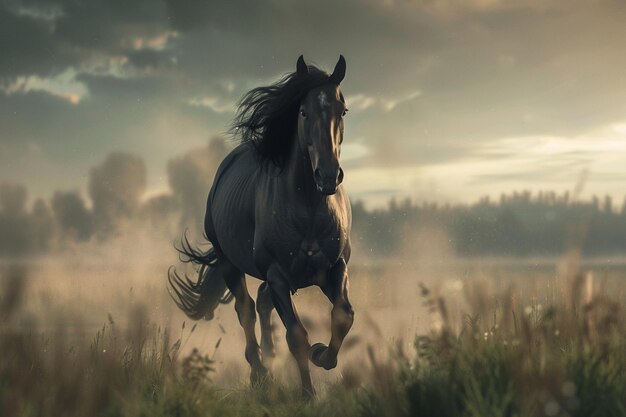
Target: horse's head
{"points": [[320, 127]]}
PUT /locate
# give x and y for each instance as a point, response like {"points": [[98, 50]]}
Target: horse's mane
{"points": [[267, 116]]}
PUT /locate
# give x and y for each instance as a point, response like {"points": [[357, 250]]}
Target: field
{"points": [[434, 336]]}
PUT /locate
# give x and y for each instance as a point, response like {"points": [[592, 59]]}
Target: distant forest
{"points": [[517, 224]]}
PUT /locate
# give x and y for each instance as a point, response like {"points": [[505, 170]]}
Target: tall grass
{"points": [[565, 360], [505, 357]]}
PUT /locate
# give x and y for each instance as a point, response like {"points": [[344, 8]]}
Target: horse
{"points": [[277, 211]]}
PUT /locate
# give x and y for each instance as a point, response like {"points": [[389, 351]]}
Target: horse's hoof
{"points": [[308, 394], [318, 356], [260, 376]]}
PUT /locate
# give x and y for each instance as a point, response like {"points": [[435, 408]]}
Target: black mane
{"points": [[267, 116]]}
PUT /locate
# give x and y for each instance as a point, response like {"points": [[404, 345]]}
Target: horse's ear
{"points": [[301, 67], [339, 72]]}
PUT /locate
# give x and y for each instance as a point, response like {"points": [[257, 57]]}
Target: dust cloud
{"points": [[90, 283]]}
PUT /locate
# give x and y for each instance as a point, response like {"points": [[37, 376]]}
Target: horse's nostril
{"points": [[340, 176], [317, 175]]}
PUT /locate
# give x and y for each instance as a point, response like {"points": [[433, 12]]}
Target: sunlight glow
{"points": [[602, 141], [354, 150], [364, 102], [519, 163], [157, 42]]}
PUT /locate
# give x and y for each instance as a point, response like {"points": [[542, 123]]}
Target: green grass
{"points": [[568, 359]]}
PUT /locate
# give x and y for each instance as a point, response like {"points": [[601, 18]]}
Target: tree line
{"points": [[516, 224], [116, 204]]}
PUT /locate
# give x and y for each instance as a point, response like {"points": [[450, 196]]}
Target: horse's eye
{"points": [[344, 113], [302, 113]]}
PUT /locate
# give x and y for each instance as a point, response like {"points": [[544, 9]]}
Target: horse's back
{"points": [[229, 219]]}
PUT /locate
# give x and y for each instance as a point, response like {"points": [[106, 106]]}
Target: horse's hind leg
{"points": [[342, 316], [264, 307], [244, 305]]}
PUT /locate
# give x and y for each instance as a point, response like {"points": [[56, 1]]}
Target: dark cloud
{"points": [[147, 58], [109, 25], [238, 15], [28, 46]]}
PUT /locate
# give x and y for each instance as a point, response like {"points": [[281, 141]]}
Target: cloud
{"points": [[29, 47], [115, 188], [75, 221], [430, 81], [190, 177], [63, 86], [13, 198], [148, 58], [213, 103]]}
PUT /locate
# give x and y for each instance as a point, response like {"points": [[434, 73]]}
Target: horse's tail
{"points": [[199, 299]]}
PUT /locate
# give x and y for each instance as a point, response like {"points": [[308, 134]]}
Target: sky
{"points": [[449, 100]]}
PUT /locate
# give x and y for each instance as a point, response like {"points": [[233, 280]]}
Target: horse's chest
{"points": [[309, 246]]}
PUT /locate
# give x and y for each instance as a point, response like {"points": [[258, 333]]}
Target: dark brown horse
{"points": [[277, 211]]}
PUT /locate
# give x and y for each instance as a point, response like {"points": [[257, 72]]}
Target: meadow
{"points": [[435, 335]]}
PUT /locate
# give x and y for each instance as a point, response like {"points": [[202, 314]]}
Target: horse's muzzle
{"points": [[328, 184], [327, 190]]}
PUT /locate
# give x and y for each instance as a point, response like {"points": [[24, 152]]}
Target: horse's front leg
{"points": [[342, 316], [297, 337], [264, 307]]}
